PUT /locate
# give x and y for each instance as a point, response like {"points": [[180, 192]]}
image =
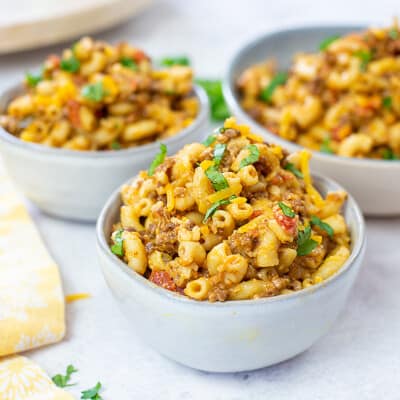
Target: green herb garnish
{"points": [[118, 247], [116, 145], [219, 151], [305, 245], [322, 225], [387, 102], [326, 146], [62, 380], [94, 91], [158, 159], [210, 212], [365, 56], [394, 34], [170, 61], [129, 63], [218, 107], [253, 156], [93, 393], [216, 178], [290, 167], [210, 140], [279, 79], [387, 154], [71, 64], [327, 42], [33, 80], [286, 210]]}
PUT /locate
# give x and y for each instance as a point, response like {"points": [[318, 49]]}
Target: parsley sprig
{"points": [[322, 225], [128, 62], [326, 146], [387, 154], [387, 102], [118, 247], [219, 152], [63, 380], [216, 178], [218, 107], [290, 167], [210, 212], [254, 155], [210, 140], [158, 159], [365, 56], [177, 60], [32, 80], [94, 91], [71, 64], [286, 210], [305, 245], [327, 42], [278, 80], [93, 393]]}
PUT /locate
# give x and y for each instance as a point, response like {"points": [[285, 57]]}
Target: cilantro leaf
{"points": [[326, 146], [327, 42], [158, 159], [93, 393], [322, 225], [71, 64], [365, 56], [210, 212], [94, 91], [179, 60], [305, 245], [253, 156], [216, 178], [279, 79], [62, 380], [387, 102], [210, 140], [32, 80], [286, 210], [290, 167], [117, 248], [218, 107], [128, 63], [219, 152]]}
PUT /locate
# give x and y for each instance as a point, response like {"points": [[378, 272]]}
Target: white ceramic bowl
{"points": [[373, 183], [73, 184], [235, 335]]}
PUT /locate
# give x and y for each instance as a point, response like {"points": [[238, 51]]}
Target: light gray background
{"points": [[358, 359]]}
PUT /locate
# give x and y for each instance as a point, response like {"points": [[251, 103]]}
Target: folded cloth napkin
{"points": [[21, 379], [31, 296]]}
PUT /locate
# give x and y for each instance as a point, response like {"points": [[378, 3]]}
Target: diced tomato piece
{"points": [[163, 279], [140, 56], [289, 224], [256, 213], [53, 61], [73, 113]]}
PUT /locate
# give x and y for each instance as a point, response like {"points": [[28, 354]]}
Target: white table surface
{"points": [[358, 359]]}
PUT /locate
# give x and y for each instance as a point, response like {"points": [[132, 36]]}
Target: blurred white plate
{"points": [[27, 24]]}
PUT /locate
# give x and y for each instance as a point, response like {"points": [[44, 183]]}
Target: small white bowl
{"points": [[373, 183], [76, 184], [236, 335]]}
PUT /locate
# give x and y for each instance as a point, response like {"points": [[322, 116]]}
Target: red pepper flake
{"points": [[163, 279]]}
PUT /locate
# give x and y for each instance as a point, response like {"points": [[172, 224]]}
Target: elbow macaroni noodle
{"points": [[102, 97], [266, 231], [342, 100]]}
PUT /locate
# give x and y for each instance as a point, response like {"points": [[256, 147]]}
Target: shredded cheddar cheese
{"points": [[305, 169], [70, 298], [234, 189]]}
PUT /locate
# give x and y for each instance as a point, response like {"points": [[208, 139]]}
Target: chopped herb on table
{"points": [[278, 80], [93, 393], [210, 212], [179, 60], [32, 80], [129, 63], [254, 155], [218, 107], [328, 41], [290, 167], [286, 210], [63, 380], [365, 56], [94, 91], [216, 178], [305, 245], [326, 146], [387, 102], [118, 247], [322, 225], [158, 159], [71, 64]]}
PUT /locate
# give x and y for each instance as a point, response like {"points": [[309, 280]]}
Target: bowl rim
{"points": [[357, 251], [202, 116], [235, 107]]}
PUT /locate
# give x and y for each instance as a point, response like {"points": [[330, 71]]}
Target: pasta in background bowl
{"points": [[379, 197], [237, 222]]}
